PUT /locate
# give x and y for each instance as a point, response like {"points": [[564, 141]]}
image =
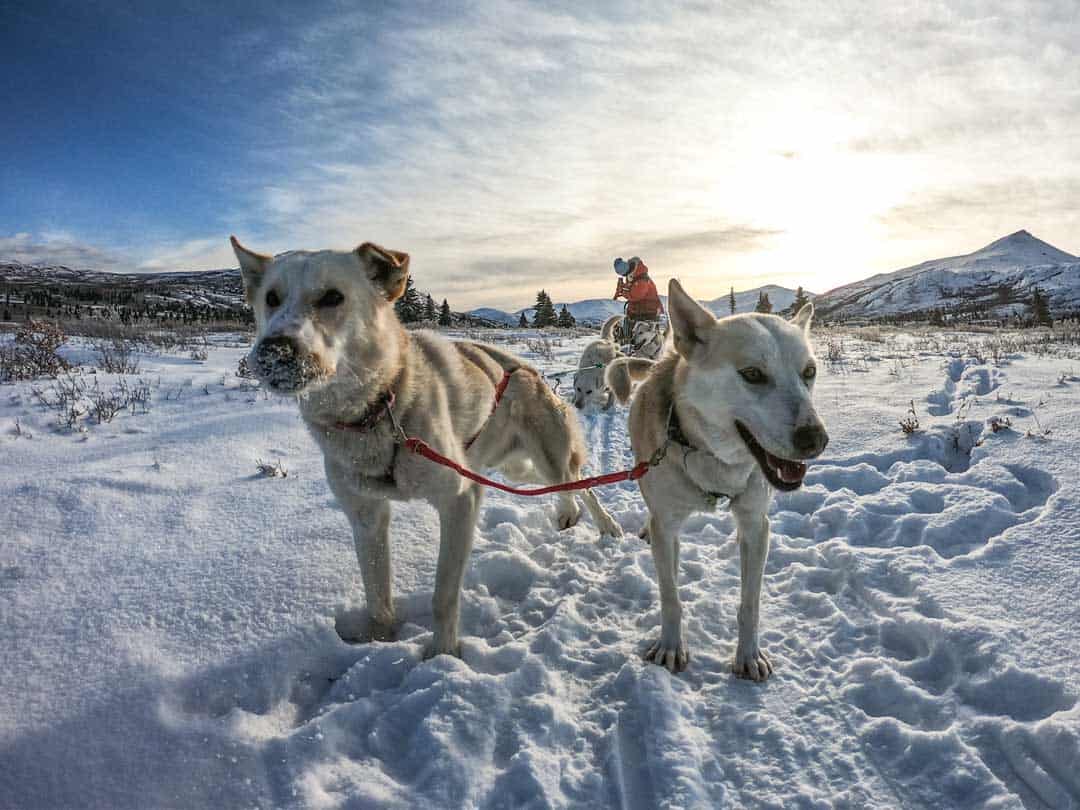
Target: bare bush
{"points": [[542, 348], [268, 470], [910, 423], [243, 369], [117, 356], [33, 353]]}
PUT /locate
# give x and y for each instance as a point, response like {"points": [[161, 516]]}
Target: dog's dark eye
{"points": [[754, 376], [588, 392], [330, 298], [273, 299], [809, 372]]}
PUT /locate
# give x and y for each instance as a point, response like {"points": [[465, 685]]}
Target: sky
{"points": [[513, 146]]}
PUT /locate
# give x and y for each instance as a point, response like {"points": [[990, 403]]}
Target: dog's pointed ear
{"points": [[388, 269], [803, 316], [252, 267], [689, 320]]}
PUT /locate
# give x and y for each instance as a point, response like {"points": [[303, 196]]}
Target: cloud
{"points": [[512, 145], [59, 248]]}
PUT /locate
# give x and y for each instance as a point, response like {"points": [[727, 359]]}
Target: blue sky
{"points": [[509, 146]]}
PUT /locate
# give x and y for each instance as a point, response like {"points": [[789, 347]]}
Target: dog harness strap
{"points": [[500, 389], [373, 415], [675, 435]]}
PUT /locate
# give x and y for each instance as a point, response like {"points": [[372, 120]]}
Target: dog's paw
{"points": [[753, 665], [673, 657], [356, 626], [609, 526], [442, 647], [381, 630], [568, 516]]}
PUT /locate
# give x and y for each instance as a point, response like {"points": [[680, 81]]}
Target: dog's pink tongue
{"points": [[790, 472]]}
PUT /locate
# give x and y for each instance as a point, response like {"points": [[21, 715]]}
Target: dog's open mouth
{"points": [[781, 473]]}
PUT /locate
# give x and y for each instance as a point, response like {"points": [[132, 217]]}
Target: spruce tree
{"points": [[430, 313], [565, 320], [523, 322], [410, 307], [1040, 308], [763, 303], [444, 314], [801, 300], [731, 300], [545, 311]]}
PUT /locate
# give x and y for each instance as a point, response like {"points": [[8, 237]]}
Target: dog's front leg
{"points": [[753, 533], [457, 524], [370, 520], [670, 649]]}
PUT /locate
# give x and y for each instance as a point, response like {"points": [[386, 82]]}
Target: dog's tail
{"points": [[607, 331], [621, 375]]}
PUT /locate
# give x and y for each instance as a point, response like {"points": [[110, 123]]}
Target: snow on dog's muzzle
{"points": [[281, 364]]}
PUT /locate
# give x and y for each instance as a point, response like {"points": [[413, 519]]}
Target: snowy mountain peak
{"points": [[995, 281], [1024, 249]]}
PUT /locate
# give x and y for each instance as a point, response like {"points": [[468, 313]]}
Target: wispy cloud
{"points": [[513, 145]]}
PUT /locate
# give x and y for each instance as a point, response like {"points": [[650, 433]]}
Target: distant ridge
{"points": [[994, 281]]}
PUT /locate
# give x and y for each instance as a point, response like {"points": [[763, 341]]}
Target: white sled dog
{"points": [[590, 387], [729, 412], [327, 332], [647, 339]]}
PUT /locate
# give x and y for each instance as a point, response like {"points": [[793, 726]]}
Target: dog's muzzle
{"points": [[282, 365]]}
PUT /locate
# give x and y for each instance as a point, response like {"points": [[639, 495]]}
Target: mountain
{"points": [[995, 281], [594, 311], [214, 289]]}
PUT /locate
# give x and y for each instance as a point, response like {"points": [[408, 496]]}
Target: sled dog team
{"points": [[728, 411]]}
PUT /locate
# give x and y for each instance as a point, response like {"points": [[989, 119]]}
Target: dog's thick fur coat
{"points": [[731, 406], [327, 332]]}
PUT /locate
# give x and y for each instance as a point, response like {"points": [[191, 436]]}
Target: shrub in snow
{"points": [[117, 356], [33, 353]]}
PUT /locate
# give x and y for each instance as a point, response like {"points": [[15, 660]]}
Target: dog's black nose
{"points": [[278, 347], [810, 439]]}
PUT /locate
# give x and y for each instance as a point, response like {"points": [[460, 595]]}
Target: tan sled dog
{"points": [[730, 412], [327, 333]]}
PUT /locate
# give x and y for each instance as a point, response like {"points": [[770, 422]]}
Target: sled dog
{"points": [[590, 387], [326, 332], [647, 339], [728, 413]]}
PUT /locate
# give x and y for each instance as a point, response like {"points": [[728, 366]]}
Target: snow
{"points": [[172, 622]]}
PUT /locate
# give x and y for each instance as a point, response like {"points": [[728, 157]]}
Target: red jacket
{"points": [[642, 299]]}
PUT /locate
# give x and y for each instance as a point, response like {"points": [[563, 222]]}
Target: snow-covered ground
{"points": [[169, 619]]}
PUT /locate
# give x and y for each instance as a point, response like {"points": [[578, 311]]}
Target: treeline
{"points": [[956, 312], [21, 304], [417, 307]]}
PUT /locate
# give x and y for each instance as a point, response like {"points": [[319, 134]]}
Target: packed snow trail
{"points": [[176, 624]]}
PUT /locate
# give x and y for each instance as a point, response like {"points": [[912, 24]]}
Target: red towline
{"points": [[422, 448]]}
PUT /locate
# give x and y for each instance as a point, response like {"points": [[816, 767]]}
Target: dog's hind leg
{"points": [[370, 520], [457, 524], [753, 532]]}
